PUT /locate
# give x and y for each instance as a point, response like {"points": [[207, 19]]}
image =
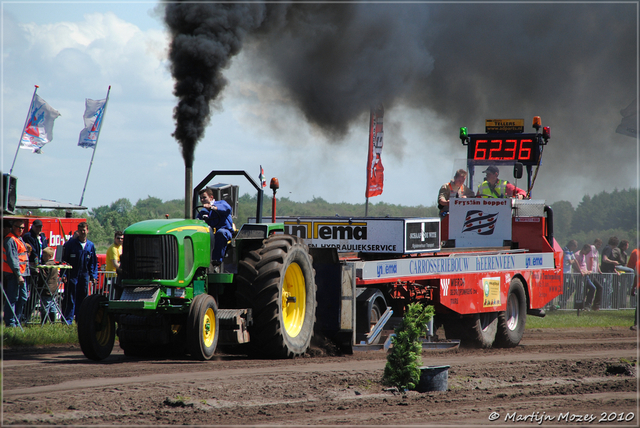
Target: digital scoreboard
{"points": [[523, 148]]}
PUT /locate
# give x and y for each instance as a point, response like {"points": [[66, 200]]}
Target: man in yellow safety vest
{"points": [[492, 187]]}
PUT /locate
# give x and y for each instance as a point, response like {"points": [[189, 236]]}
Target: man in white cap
{"points": [[492, 187]]}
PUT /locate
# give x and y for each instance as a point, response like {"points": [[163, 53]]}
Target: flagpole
{"points": [[23, 128], [104, 112]]}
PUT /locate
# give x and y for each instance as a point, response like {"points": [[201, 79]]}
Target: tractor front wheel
{"points": [[96, 328], [202, 327]]}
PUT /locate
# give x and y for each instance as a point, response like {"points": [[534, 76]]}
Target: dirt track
{"points": [[553, 374]]}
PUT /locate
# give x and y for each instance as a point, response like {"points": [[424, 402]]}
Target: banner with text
{"points": [[375, 170], [476, 222]]}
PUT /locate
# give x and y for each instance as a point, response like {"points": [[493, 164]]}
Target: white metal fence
{"points": [[616, 291], [42, 308]]}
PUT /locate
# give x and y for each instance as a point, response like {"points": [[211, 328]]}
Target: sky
{"points": [[296, 88]]}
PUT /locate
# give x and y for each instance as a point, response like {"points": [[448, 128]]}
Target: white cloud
{"points": [[71, 61]]}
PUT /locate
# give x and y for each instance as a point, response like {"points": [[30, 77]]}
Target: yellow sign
{"points": [[493, 126], [490, 292]]}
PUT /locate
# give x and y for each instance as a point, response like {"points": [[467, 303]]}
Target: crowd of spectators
{"points": [[588, 262]]}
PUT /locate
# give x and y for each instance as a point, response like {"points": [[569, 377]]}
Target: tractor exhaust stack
{"points": [[188, 192]]}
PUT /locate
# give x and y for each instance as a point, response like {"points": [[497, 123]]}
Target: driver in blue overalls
{"points": [[217, 214]]}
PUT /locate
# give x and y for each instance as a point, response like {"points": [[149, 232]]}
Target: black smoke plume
{"points": [[205, 36], [573, 64]]}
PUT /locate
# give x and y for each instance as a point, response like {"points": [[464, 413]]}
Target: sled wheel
{"points": [[454, 328], [512, 321], [482, 329], [96, 328], [374, 316], [203, 328], [277, 283]]}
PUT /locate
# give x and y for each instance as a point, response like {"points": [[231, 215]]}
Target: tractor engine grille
{"points": [[150, 257]]}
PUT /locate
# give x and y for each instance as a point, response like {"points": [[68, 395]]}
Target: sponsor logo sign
{"points": [[475, 222], [422, 235], [367, 235], [491, 292], [420, 267]]}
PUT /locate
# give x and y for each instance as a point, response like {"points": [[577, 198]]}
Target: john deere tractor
{"points": [[170, 300]]}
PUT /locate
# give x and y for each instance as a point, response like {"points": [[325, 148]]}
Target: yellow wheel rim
{"points": [[103, 329], [208, 327], [294, 300]]}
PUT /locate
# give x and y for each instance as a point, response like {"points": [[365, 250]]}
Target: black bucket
{"points": [[433, 378]]}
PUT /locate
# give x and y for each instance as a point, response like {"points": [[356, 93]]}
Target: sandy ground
{"points": [[555, 377]]}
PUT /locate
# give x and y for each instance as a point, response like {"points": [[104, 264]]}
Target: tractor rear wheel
{"points": [[512, 321], [476, 331], [96, 328], [277, 281], [482, 329], [203, 328]]}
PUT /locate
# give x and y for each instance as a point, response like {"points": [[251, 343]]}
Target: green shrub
{"points": [[403, 362]]}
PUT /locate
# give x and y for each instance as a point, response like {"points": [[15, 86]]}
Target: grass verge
{"points": [[36, 335], [570, 319]]}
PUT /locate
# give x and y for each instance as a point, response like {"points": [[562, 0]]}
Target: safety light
{"points": [[546, 133], [537, 123], [464, 135]]}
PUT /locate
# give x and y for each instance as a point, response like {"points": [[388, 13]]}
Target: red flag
{"points": [[375, 170]]}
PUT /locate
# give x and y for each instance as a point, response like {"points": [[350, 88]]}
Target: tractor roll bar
{"points": [[212, 174]]}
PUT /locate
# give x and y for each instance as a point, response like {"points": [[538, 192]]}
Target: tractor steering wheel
{"points": [[198, 208]]}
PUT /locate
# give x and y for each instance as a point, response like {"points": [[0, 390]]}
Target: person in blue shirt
{"points": [[80, 253], [217, 214], [570, 258]]}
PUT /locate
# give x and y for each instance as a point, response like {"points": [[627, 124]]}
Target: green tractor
{"points": [[262, 301]]}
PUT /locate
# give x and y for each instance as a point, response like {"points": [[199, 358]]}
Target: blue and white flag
{"points": [[38, 130], [479, 222], [93, 115]]}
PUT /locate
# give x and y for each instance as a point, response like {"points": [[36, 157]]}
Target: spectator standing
{"points": [[634, 263], [48, 286], [453, 189], [15, 267], [607, 263], [80, 253], [569, 264], [570, 258], [217, 214], [114, 252], [591, 282], [593, 259], [619, 254], [37, 240]]}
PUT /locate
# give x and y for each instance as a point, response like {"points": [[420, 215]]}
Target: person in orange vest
{"points": [[15, 267]]}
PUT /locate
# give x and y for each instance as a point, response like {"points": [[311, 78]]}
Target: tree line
{"points": [[599, 216]]}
